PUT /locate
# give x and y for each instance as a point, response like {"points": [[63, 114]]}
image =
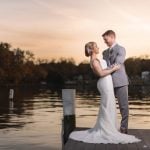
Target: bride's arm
{"points": [[103, 72]]}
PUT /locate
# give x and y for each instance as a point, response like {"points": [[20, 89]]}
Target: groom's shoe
{"points": [[124, 130]]}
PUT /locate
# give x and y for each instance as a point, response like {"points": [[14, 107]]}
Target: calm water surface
{"points": [[33, 120]]}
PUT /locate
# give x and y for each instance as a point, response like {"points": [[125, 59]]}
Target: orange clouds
{"points": [[60, 28]]}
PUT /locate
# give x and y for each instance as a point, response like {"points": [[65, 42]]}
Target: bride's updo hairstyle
{"points": [[89, 48]]}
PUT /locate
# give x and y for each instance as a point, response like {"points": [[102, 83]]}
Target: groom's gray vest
{"points": [[117, 55]]}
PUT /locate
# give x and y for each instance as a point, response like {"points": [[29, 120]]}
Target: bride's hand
{"points": [[116, 67]]}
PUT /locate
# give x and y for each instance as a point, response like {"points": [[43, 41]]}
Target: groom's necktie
{"points": [[110, 53]]}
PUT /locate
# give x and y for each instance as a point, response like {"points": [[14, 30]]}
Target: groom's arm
{"points": [[121, 56]]}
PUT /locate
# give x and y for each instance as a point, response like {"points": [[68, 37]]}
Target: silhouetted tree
{"points": [[18, 66]]}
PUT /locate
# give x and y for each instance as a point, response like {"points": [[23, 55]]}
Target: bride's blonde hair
{"points": [[88, 48]]}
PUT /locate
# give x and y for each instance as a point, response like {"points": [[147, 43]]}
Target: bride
{"points": [[106, 129]]}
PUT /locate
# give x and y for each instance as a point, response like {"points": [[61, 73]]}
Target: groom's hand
{"points": [[116, 66], [113, 65]]}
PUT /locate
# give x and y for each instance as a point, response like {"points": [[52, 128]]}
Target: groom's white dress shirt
{"points": [[112, 46]]}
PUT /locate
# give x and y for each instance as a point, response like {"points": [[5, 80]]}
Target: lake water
{"points": [[33, 120]]}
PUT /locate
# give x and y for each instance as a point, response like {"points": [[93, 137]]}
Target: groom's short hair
{"points": [[109, 32]]}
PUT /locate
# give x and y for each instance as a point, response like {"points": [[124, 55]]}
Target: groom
{"points": [[116, 54]]}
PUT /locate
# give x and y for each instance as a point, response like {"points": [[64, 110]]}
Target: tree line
{"points": [[19, 66]]}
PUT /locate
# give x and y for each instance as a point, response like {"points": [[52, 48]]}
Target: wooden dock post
{"points": [[11, 97], [68, 121], [11, 94]]}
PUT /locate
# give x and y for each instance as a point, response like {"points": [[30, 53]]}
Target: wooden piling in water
{"points": [[11, 94], [69, 120], [11, 99]]}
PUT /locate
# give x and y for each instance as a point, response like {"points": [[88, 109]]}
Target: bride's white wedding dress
{"points": [[106, 128]]}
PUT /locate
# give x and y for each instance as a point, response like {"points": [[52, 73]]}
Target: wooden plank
{"points": [[122, 147], [141, 145], [70, 145], [100, 146], [132, 146], [145, 135], [89, 146], [111, 147], [80, 146]]}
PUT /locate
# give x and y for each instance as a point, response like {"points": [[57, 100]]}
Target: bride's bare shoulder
{"points": [[92, 60], [95, 62]]}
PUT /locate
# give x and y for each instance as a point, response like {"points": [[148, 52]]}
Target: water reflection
{"points": [[34, 116], [139, 92]]}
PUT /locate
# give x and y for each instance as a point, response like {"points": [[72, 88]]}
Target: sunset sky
{"points": [[60, 28]]}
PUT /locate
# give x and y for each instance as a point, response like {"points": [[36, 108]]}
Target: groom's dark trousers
{"points": [[122, 96]]}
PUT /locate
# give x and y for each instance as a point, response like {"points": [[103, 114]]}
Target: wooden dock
{"points": [[143, 134], [69, 125]]}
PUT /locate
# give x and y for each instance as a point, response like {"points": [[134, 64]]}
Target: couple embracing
{"points": [[112, 82]]}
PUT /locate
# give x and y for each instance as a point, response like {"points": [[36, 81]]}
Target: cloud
{"points": [[62, 27]]}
